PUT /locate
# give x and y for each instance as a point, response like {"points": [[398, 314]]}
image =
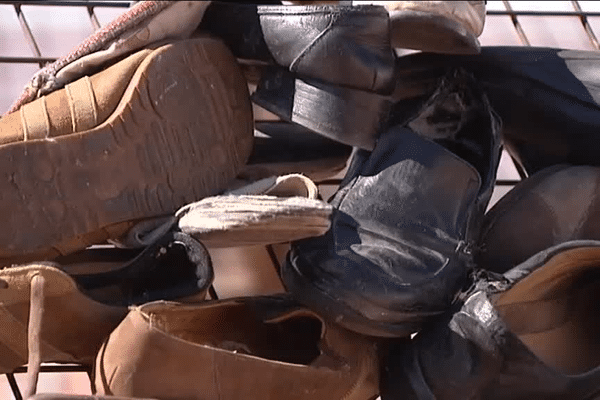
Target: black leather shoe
{"points": [[350, 116], [552, 206], [404, 220], [548, 99], [173, 266], [329, 68], [336, 44], [531, 333]]}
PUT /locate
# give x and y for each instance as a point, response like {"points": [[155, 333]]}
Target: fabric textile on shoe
{"points": [[144, 24], [405, 219], [251, 348], [161, 128], [555, 205], [530, 333]]}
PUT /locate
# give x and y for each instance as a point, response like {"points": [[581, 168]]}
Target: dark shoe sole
{"points": [[348, 116], [182, 130]]}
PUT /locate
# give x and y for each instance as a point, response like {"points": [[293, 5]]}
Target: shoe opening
{"points": [[554, 310], [165, 271], [236, 328], [458, 117]]}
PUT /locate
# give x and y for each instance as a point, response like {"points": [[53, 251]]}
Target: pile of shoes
{"points": [[134, 163]]}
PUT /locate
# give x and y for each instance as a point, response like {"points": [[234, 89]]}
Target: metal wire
{"points": [[41, 60]]}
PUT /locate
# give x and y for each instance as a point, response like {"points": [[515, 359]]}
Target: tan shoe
{"points": [[436, 26], [248, 348], [52, 312], [160, 129]]}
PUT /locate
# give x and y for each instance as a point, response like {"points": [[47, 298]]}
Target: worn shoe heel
{"points": [[349, 116], [181, 131]]}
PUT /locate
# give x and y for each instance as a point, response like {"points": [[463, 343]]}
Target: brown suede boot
{"points": [[159, 129], [264, 347]]}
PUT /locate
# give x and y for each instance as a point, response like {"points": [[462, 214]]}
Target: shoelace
{"points": [[34, 330]]}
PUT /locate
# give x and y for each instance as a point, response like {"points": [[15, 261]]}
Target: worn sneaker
{"points": [[160, 129], [251, 348]]}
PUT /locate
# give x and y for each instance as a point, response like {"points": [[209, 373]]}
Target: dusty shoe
{"points": [[160, 129], [450, 27], [53, 312], [341, 45], [251, 348], [552, 206], [272, 210], [530, 333], [405, 219]]}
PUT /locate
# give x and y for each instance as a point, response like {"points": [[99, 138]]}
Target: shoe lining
{"points": [[238, 329], [164, 274], [554, 311]]}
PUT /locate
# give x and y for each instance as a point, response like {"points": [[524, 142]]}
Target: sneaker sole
{"points": [[182, 130]]}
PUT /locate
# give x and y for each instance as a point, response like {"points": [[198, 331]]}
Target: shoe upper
{"points": [[255, 348], [81, 105], [555, 205], [333, 43], [547, 98], [530, 333], [404, 220]]}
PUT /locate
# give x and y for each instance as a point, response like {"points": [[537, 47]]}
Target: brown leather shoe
{"points": [[250, 348], [159, 129]]}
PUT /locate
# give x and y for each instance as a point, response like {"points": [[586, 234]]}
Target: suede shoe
{"points": [[160, 129], [555, 205], [74, 303], [251, 348], [530, 333], [405, 219]]}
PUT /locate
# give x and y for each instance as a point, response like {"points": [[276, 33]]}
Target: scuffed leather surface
{"points": [[396, 250], [470, 352], [343, 45], [405, 218], [547, 98]]}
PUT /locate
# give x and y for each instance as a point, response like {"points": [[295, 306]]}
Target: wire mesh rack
{"points": [[507, 23]]}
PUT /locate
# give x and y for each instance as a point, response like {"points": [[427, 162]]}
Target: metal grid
{"points": [[41, 60]]}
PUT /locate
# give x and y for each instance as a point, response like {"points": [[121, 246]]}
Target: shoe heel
{"points": [[348, 116]]}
